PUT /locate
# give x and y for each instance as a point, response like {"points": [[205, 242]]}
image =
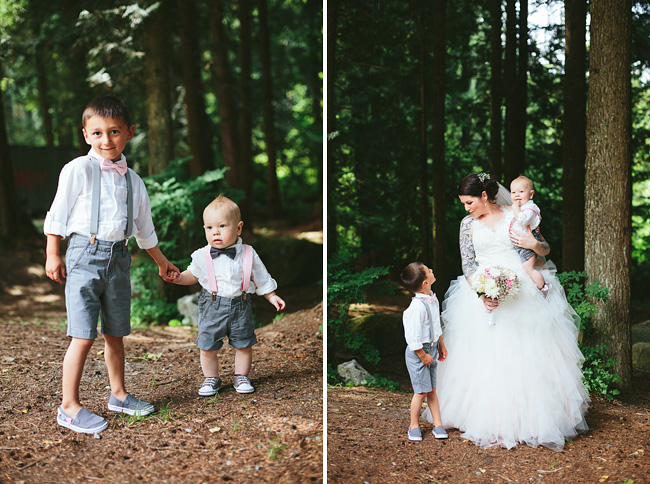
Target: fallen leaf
{"points": [[482, 470], [24, 411], [215, 429], [603, 479]]}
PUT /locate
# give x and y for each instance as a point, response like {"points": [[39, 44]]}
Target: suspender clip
{"points": [[244, 297], [214, 296], [92, 239]]}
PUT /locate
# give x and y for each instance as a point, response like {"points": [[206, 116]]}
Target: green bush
{"points": [[344, 288], [598, 368]]}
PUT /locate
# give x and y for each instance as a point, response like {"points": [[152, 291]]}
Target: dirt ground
{"points": [[367, 442], [272, 435]]}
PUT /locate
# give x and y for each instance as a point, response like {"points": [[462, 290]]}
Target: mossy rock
{"points": [[641, 332], [641, 359], [291, 262], [384, 330]]}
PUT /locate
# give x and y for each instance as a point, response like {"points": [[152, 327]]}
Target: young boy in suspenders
{"points": [[99, 205], [227, 271]]}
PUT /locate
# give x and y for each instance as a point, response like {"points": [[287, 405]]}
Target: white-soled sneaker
{"points": [[242, 384], [211, 386], [439, 432]]}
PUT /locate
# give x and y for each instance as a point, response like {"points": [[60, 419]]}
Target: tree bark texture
{"points": [[269, 114], [496, 90], [225, 95], [425, 203], [159, 119], [573, 137], [246, 107], [521, 95], [608, 180], [510, 83], [330, 76], [438, 140], [199, 130], [43, 99]]}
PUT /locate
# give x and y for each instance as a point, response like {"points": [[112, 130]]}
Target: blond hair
{"points": [[525, 179], [225, 203]]}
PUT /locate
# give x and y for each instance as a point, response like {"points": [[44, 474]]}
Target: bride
{"points": [[519, 380]]}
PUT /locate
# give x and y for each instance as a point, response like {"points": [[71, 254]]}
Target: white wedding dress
{"points": [[518, 381]]}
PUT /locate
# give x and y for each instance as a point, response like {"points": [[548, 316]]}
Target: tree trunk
{"points": [[159, 119], [332, 174], [225, 96], [608, 179], [425, 204], [496, 90], [269, 122], [438, 138], [246, 108], [519, 129], [43, 99], [573, 138], [199, 130], [510, 82], [15, 225]]}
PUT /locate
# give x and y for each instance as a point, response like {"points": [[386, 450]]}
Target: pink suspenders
{"points": [[247, 269], [532, 210]]}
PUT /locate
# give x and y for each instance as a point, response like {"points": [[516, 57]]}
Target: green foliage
{"points": [[598, 368], [383, 382], [147, 303], [344, 288]]}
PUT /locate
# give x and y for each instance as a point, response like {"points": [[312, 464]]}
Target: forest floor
{"points": [[367, 442], [272, 435]]}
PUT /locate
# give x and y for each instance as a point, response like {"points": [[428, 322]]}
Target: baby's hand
{"points": [[276, 300]]}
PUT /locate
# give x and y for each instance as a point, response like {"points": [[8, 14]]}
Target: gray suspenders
{"points": [[94, 210], [426, 306]]}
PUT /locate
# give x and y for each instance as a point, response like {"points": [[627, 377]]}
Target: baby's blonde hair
{"points": [[225, 203], [525, 179]]}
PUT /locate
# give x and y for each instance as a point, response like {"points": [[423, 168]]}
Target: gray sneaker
{"points": [[211, 385], [242, 384], [130, 406], [85, 422], [439, 432], [415, 434]]}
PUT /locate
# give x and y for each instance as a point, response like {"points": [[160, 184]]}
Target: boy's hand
{"points": [[442, 350], [276, 300], [168, 271], [427, 359], [55, 268]]}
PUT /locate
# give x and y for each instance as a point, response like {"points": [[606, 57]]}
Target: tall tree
{"points": [[425, 203], [608, 177], [159, 119], [332, 20], [43, 88], [245, 15], [269, 121], [573, 137], [496, 89], [199, 132], [438, 141], [225, 94]]}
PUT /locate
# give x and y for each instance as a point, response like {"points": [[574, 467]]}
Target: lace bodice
{"points": [[492, 245]]}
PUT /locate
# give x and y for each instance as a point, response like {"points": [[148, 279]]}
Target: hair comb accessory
{"points": [[483, 177]]}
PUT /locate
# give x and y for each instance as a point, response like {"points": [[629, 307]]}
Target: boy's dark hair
{"points": [[413, 276], [106, 107]]}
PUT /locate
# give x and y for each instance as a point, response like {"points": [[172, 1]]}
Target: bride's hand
{"points": [[528, 241], [490, 304]]}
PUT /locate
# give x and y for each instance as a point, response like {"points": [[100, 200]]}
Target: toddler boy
{"points": [[99, 205], [423, 335], [227, 271]]}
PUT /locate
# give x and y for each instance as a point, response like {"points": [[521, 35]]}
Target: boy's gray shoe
{"points": [[242, 384], [211, 385], [130, 406], [415, 434], [439, 432], [85, 422]]}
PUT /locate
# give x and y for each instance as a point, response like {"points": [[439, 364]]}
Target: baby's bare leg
{"points": [[210, 363], [243, 360], [529, 267]]}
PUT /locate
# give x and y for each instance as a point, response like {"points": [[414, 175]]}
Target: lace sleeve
{"points": [[467, 255]]}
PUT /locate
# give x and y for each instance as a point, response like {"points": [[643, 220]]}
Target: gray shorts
{"points": [[225, 316], [525, 254], [423, 378], [97, 281]]}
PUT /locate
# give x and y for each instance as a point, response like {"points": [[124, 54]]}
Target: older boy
{"points": [[99, 205], [227, 271], [423, 335]]}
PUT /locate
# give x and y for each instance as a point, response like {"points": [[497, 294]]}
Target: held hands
{"points": [[168, 271], [276, 300]]}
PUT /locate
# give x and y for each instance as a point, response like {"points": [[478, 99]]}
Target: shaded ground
{"points": [[272, 435], [367, 443]]}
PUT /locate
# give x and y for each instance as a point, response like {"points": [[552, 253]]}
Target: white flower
{"points": [[491, 288]]}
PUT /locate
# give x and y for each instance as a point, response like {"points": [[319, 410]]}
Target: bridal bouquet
{"points": [[497, 283]]}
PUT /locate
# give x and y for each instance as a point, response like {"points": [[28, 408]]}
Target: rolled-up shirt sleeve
{"points": [[413, 319], [143, 227], [71, 182], [263, 281]]}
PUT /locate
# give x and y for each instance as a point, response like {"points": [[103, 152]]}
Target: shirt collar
{"points": [[93, 154]]}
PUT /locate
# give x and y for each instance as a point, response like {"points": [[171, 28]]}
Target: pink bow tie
{"points": [[119, 166], [430, 298]]}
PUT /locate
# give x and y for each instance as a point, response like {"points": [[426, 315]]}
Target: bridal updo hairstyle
{"points": [[472, 186], [413, 276]]}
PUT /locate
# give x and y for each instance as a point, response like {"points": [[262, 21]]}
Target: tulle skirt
{"points": [[518, 381]]}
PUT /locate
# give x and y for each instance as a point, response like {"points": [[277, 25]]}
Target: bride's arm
{"points": [[528, 241], [467, 254]]}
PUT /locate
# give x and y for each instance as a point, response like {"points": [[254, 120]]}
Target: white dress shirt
{"points": [[529, 215], [70, 210], [229, 272], [417, 327]]}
